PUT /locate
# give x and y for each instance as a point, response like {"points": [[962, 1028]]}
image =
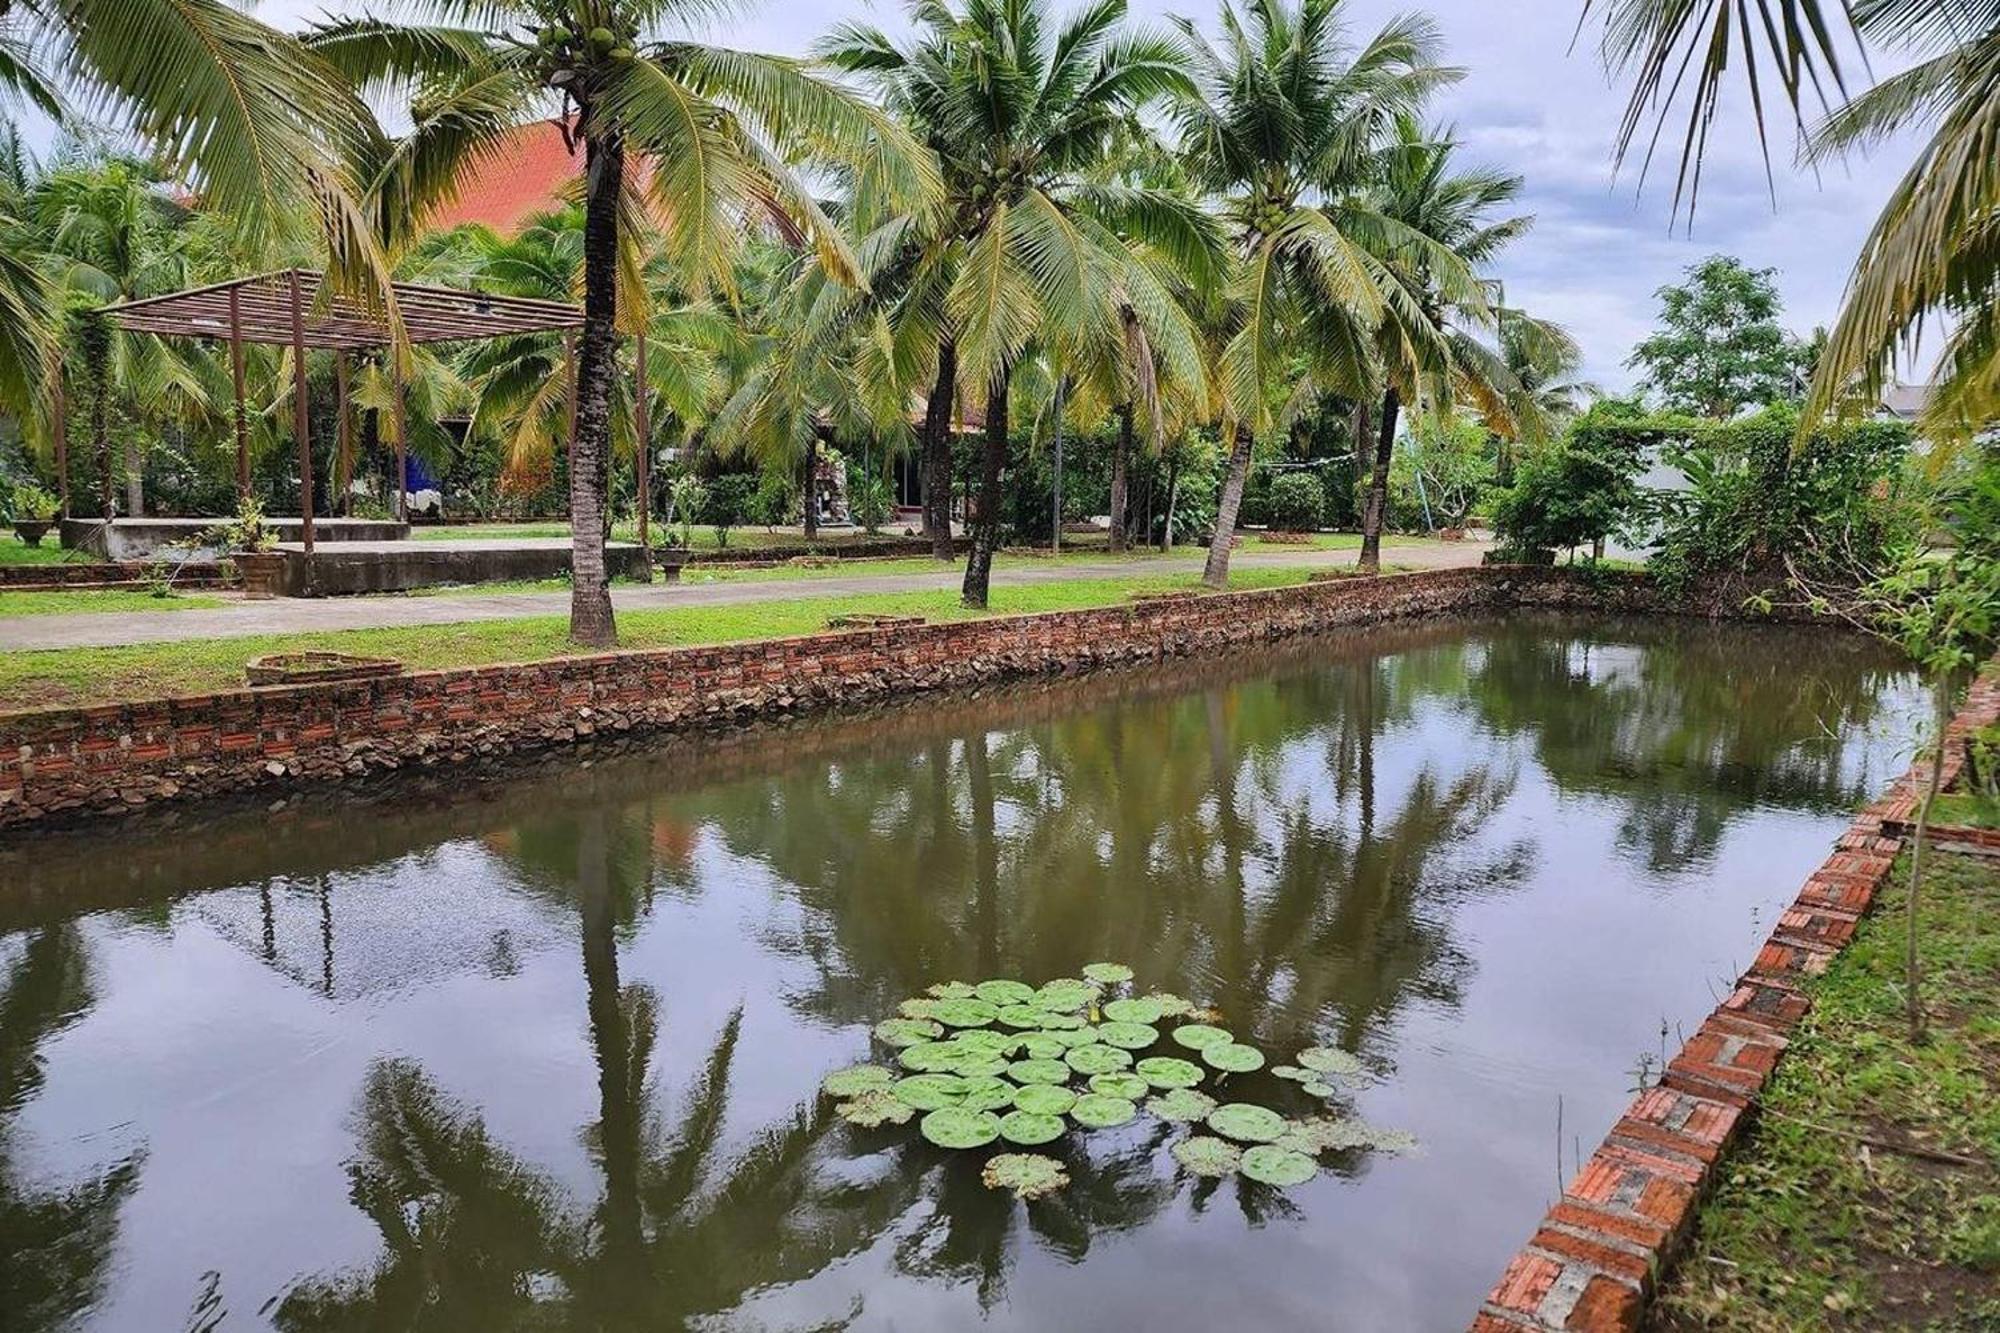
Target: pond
{"points": [[544, 1051]]}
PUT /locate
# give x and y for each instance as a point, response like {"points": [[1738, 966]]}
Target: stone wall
{"points": [[114, 574], [64, 764], [1592, 1263]]}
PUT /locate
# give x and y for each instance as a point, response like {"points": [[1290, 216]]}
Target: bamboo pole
{"points": [[301, 423], [343, 438], [242, 413]]}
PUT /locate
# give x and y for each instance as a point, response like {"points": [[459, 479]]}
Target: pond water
{"points": [[544, 1052]]}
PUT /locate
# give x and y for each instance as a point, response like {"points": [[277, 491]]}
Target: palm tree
{"points": [[233, 107], [1028, 245], [1542, 361], [712, 131], [1934, 251], [1280, 127]]}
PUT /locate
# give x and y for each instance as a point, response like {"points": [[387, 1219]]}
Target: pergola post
{"points": [[242, 418], [343, 437], [402, 439], [301, 422], [59, 424], [643, 448]]}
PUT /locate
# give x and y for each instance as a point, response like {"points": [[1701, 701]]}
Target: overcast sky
{"points": [[1601, 247]]}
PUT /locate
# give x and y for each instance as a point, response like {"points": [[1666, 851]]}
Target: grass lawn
{"points": [[71, 601], [93, 675], [1820, 1223], [14, 551]]}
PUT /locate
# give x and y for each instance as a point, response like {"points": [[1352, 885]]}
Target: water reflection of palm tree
{"points": [[55, 1242]]}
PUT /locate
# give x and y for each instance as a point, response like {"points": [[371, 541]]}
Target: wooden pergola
{"points": [[285, 309]]}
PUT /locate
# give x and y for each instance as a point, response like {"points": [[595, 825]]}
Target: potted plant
{"points": [[34, 512], [251, 547], [684, 498]]}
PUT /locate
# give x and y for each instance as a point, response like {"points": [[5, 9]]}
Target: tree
{"points": [[1933, 252], [1031, 245], [1279, 129], [1720, 347], [717, 130], [1428, 349]]}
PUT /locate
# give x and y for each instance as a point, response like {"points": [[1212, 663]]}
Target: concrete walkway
{"points": [[319, 615]]}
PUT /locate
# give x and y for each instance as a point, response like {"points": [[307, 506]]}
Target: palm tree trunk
{"points": [[809, 514], [135, 478], [1216, 574], [1375, 507], [937, 451], [986, 527], [1121, 450], [590, 616]]}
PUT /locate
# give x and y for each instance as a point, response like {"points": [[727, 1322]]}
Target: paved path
{"points": [[311, 615]]}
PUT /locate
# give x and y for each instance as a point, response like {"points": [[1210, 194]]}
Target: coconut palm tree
{"points": [[1029, 243], [1934, 252], [234, 108], [711, 134], [1280, 127], [1542, 360], [1430, 348]]}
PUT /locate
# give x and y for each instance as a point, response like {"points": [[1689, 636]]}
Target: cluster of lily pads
{"points": [[1003, 1061]]}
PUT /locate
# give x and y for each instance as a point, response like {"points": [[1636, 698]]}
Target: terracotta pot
{"points": [[32, 530], [263, 574]]}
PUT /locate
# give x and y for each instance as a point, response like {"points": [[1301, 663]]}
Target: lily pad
{"points": [[1004, 992], [1042, 1046], [1071, 1038], [1028, 1128], [1133, 1011], [1168, 1071], [1194, 1036], [1331, 1060], [1181, 1106], [1293, 1072], [1131, 1036], [875, 1108], [1030, 1175], [1038, 1071], [985, 1039], [1098, 1059], [1275, 1165], [1205, 1156], [1246, 1123], [1129, 1086], [1054, 1022], [964, 1013], [1107, 974], [1171, 1005], [929, 1092], [956, 1127], [1022, 1016], [1233, 1057], [1065, 995], [907, 1031], [980, 1064], [918, 1009], [953, 990], [1325, 1134], [930, 1057], [855, 1080], [985, 1094], [1314, 1087], [1095, 1110], [1044, 1099]]}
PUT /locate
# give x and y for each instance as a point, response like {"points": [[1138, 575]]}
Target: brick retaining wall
{"points": [[64, 764], [110, 574], [1592, 1263]]}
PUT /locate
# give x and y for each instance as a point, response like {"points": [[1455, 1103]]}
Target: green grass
{"points": [[139, 671], [1967, 808], [74, 601], [14, 551], [1815, 1227]]}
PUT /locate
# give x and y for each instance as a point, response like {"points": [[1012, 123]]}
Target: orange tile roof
{"points": [[526, 173]]}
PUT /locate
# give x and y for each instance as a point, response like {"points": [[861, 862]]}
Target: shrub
{"points": [[1565, 495], [777, 499], [728, 503], [868, 500], [34, 504], [1297, 502], [686, 496]]}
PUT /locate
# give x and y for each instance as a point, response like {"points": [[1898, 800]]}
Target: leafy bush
{"points": [[868, 500], [1763, 512], [776, 500], [727, 503], [33, 504], [1565, 496], [1444, 471], [686, 496], [1297, 502]]}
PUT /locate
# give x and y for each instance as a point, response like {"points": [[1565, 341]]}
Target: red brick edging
{"points": [[1594, 1260]]}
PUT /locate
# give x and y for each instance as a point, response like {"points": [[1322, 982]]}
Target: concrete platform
{"points": [[144, 538], [398, 566]]}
